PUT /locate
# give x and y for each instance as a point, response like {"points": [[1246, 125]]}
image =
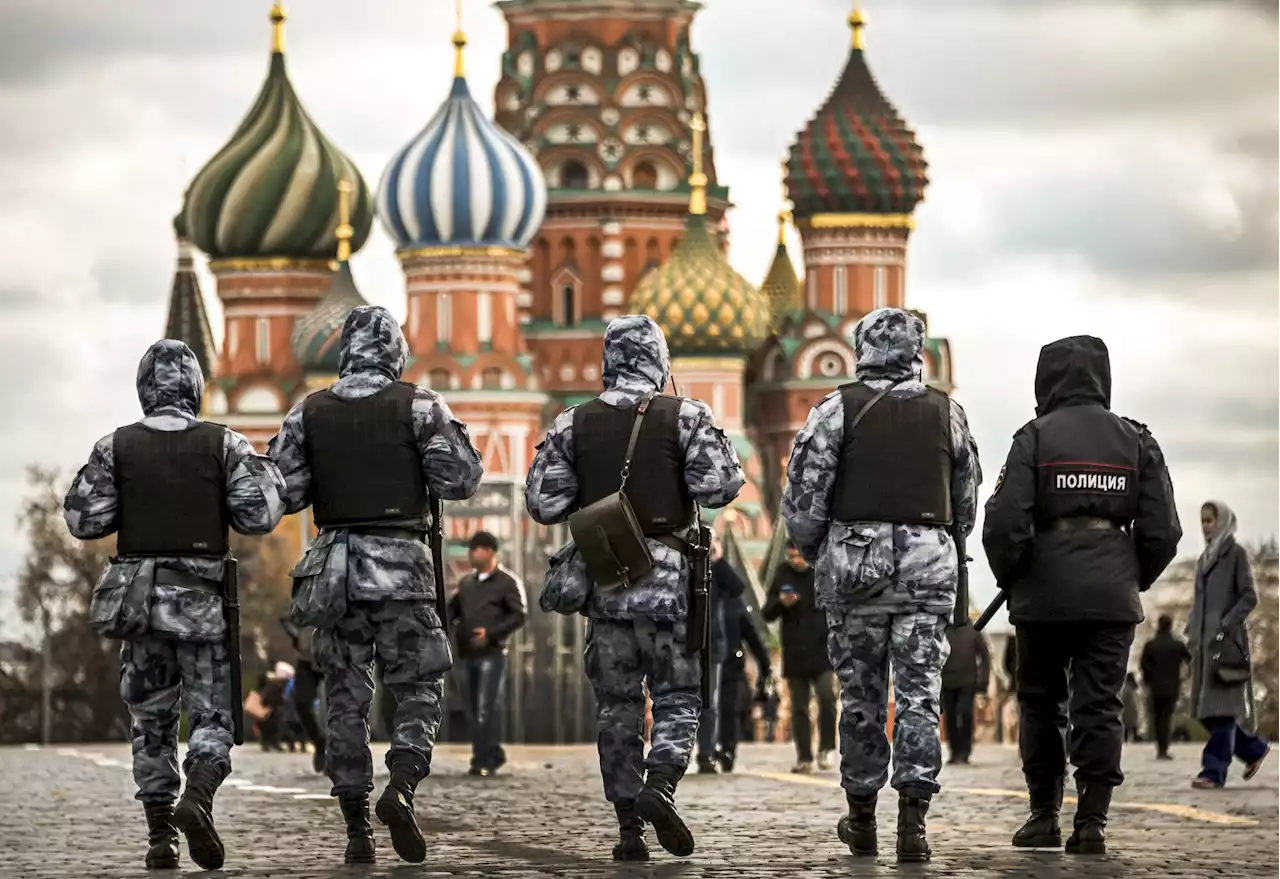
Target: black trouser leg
{"points": [[949, 697], [964, 721], [1099, 660], [730, 683], [801, 733], [827, 712], [1162, 721], [305, 686], [1042, 701]]}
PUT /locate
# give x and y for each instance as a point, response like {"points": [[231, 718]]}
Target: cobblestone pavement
{"points": [[69, 812]]}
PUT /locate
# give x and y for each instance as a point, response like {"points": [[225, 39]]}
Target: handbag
{"points": [[608, 534], [1228, 660]]}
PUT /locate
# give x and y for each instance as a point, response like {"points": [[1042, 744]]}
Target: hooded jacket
{"points": [[877, 567], [1057, 575], [636, 362], [170, 390], [377, 568]]}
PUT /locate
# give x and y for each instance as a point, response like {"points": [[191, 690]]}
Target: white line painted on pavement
{"points": [[312, 797]]}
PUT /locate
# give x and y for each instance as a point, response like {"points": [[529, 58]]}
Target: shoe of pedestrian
{"points": [[1090, 834], [1041, 830], [726, 759], [631, 845], [1202, 783], [826, 760], [802, 767], [162, 836], [317, 758], [1164, 755], [395, 810], [656, 805], [1253, 767], [858, 828], [913, 846], [707, 766], [361, 848], [194, 816]]}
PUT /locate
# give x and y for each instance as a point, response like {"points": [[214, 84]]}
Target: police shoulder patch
{"points": [[999, 480]]}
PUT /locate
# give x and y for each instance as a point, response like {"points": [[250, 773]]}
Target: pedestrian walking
{"points": [[1129, 716], [1082, 519], [367, 455], [726, 590], [769, 709], [488, 608], [307, 681], [1221, 681], [805, 665], [637, 634], [1162, 660], [882, 474], [169, 487], [740, 631], [965, 676]]}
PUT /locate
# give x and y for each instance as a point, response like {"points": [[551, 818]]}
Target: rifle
{"points": [[231, 614], [437, 558], [960, 616], [698, 636]]}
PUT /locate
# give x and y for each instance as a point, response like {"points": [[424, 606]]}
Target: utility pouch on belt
{"points": [[608, 534]]}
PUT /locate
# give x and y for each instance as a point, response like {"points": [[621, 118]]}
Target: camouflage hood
{"points": [[635, 354], [889, 343], [1074, 371], [169, 377], [372, 344]]}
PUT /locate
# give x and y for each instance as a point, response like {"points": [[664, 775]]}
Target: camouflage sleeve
{"points": [[255, 488], [1008, 527], [551, 489], [712, 471], [811, 476], [450, 463], [91, 507], [289, 453], [1156, 528], [966, 472]]}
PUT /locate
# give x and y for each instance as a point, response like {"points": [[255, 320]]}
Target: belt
{"points": [[388, 531], [187, 580], [1084, 523], [680, 546]]}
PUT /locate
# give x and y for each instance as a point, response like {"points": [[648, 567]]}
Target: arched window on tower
{"points": [[264, 340], [568, 303], [644, 176], [438, 379], [573, 175], [842, 290], [881, 287], [491, 378]]}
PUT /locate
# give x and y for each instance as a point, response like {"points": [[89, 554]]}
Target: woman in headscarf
{"points": [[1224, 598]]}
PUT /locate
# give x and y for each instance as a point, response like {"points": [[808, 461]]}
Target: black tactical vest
{"points": [[1086, 465], [365, 463], [656, 487], [172, 486], [895, 465]]}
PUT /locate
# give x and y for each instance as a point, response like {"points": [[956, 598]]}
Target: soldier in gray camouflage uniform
{"points": [[638, 633], [888, 589], [385, 582], [175, 652]]}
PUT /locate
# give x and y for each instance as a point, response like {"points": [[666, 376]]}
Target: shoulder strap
{"points": [[866, 407], [635, 435]]}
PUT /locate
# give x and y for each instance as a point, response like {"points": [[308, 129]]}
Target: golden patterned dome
{"points": [[701, 303], [781, 287]]}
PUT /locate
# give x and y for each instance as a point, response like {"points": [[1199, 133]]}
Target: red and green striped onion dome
{"points": [[272, 191], [857, 155]]}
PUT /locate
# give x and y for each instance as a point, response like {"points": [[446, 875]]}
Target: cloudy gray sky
{"points": [[1102, 167]]}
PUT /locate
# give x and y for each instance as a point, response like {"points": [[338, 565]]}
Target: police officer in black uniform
{"points": [[1082, 519]]}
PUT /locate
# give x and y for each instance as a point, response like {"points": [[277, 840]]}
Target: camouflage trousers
{"points": [[407, 638], [862, 649], [158, 674], [621, 656]]}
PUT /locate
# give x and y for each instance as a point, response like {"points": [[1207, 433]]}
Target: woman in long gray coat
{"points": [[1224, 598]]}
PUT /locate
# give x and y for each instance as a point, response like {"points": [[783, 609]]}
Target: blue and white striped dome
{"points": [[462, 181]]}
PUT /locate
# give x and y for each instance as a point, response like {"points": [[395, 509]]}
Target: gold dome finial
{"points": [[344, 230], [784, 217], [277, 28], [857, 21], [697, 180], [459, 43]]}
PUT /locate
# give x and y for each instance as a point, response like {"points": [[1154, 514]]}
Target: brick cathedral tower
{"points": [[602, 93]]}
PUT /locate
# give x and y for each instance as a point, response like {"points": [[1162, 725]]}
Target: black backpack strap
{"points": [[866, 407], [635, 435]]}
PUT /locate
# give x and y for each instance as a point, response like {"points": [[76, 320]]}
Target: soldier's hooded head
{"points": [[889, 344], [635, 354], [372, 343], [1075, 371], [169, 377]]}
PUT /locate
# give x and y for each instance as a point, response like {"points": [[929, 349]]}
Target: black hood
{"points": [[1075, 371]]}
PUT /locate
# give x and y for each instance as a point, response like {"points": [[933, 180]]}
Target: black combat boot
{"points": [[162, 835], [360, 844], [656, 804], [194, 816], [913, 847], [1041, 829], [858, 829], [707, 766], [1090, 834], [631, 845], [395, 809]]}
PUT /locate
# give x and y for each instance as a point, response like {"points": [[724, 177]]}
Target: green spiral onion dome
{"points": [[272, 191]]}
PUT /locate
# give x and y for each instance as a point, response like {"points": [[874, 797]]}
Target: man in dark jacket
{"points": [[1081, 521], [487, 608], [965, 675], [805, 664], [726, 588], [739, 630], [1162, 660]]}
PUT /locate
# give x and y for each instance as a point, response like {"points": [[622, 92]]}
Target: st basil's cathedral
{"points": [[591, 193]]}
